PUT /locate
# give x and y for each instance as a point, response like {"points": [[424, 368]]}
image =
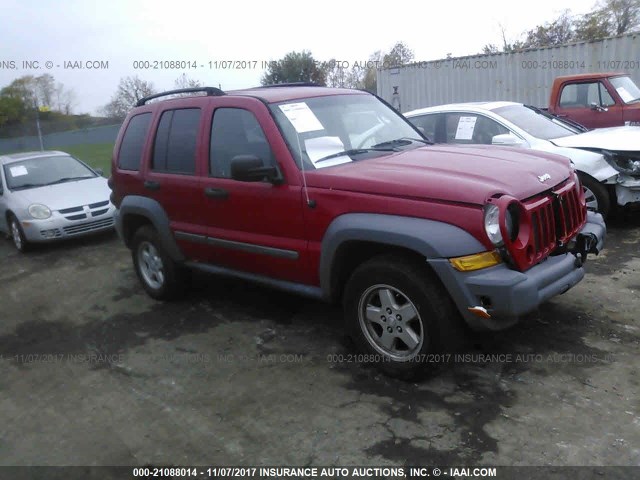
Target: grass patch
{"points": [[98, 155]]}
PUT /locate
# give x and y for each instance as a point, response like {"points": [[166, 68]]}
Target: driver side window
{"points": [[234, 132]]}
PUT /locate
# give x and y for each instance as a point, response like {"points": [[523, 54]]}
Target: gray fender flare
{"points": [[430, 238], [153, 211]]}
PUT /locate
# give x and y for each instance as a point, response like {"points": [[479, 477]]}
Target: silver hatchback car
{"points": [[46, 196]]}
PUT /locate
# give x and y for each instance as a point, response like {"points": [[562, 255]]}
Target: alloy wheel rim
{"points": [[590, 199], [390, 322], [150, 265], [15, 233]]}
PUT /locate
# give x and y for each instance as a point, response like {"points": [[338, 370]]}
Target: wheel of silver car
{"points": [[390, 322], [161, 277], [19, 241], [150, 265]]}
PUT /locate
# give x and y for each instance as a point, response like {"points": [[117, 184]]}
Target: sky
{"points": [[227, 43]]}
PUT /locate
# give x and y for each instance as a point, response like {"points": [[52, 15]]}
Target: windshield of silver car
{"points": [[43, 171]]}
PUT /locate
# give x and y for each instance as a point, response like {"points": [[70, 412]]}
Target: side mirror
{"points": [[99, 171], [507, 139], [598, 108], [249, 168]]}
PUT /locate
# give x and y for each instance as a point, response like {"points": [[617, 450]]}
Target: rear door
{"points": [[171, 177], [253, 227]]}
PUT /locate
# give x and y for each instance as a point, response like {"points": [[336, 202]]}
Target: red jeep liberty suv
{"points": [[332, 194]]}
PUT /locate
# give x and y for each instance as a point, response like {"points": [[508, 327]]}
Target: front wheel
{"points": [[17, 235], [400, 315], [595, 195], [161, 277]]}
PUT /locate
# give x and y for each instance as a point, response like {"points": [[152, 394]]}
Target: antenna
{"points": [[310, 203]]}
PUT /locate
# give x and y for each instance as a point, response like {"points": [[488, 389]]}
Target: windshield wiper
{"points": [[28, 185], [356, 151], [403, 141], [66, 179]]}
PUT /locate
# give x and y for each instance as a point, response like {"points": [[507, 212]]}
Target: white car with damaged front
{"points": [[607, 160]]}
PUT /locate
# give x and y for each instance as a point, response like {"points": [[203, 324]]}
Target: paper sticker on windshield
{"points": [[466, 125], [321, 147], [18, 171], [624, 94], [301, 117]]}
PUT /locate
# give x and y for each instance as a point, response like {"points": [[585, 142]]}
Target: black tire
{"points": [[438, 324], [596, 194], [161, 277], [17, 235]]}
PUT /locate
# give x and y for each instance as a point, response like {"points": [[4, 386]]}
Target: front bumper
{"points": [[628, 190], [57, 227], [507, 294]]}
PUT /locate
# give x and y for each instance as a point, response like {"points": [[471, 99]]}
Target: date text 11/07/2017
{"points": [[314, 472]]}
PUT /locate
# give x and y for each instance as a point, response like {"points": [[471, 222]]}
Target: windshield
{"points": [[41, 171], [628, 91], [327, 131], [535, 124]]}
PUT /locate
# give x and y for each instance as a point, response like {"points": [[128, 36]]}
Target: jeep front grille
{"points": [[555, 219]]}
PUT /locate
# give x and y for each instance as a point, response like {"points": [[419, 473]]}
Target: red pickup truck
{"points": [[596, 100]]}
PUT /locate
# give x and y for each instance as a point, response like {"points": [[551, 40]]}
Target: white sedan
{"points": [[607, 160]]}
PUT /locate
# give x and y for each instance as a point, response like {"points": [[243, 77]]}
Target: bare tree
{"points": [[183, 81], [130, 90]]}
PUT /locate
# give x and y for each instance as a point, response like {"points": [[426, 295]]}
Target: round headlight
{"points": [[492, 224], [39, 211]]}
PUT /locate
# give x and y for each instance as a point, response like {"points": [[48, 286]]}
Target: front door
{"points": [[254, 227]]}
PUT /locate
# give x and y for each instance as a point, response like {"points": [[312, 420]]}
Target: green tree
{"points": [[558, 32], [624, 15], [399, 55], [295, 67], [593, 26]]}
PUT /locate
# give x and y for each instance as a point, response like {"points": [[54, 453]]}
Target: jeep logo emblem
{"points": [[544, 177]]}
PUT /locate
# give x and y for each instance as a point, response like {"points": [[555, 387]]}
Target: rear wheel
{"points": [[596, 195], [401, 317], [17, 235], [161, 277]]}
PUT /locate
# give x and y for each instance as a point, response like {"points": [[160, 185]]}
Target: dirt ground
{"points": [[94, 372]]}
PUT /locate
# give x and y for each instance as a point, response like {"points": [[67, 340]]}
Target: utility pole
{"points": [[35, 104]]}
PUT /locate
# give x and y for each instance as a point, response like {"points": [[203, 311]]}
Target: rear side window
{"points": [[133, 142], [174, 149]]}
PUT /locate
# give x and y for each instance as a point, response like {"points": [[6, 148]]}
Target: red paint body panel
{"points": [[616, 115], [449, 184]]}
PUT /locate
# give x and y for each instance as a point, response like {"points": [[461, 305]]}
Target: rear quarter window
{"points": [[130, 153]]}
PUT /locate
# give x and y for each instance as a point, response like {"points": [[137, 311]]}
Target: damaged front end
{"points": [[628, 182]]}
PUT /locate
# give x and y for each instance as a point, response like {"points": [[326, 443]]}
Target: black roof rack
{"points": [[211, 92], [291, 84]]}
